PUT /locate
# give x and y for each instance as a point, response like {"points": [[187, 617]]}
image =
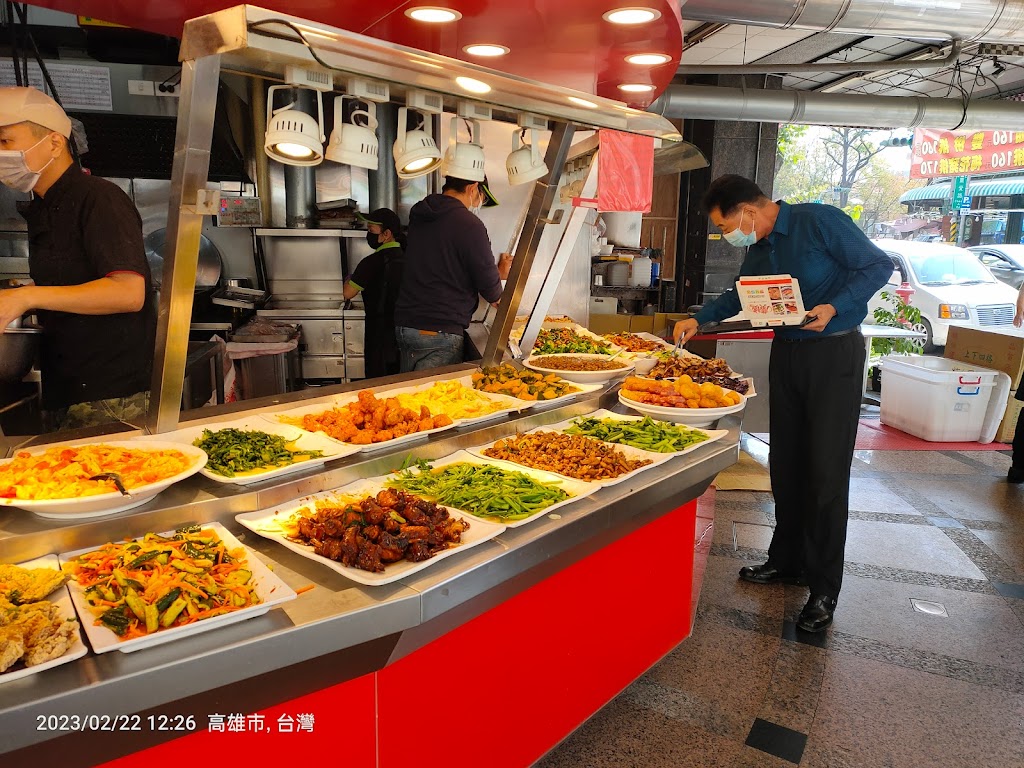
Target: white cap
{"points": [[21, 105]]}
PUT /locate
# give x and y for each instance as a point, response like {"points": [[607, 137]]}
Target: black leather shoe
{"points": [[1015, 475], [817, 614], [769, 574]]}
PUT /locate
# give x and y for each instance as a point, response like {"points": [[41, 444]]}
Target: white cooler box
{"points": [[942, 401]]}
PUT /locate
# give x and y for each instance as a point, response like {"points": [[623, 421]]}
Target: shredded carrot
{"points": [[306, 588]]}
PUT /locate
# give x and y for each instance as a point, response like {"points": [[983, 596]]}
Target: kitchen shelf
{"points": [[325, 232]]}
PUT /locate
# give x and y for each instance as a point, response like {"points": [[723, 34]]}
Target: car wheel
{"points": [[925, 344]]}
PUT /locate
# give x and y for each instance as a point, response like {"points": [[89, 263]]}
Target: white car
{"points": [[950, 286], [1005, 262]]}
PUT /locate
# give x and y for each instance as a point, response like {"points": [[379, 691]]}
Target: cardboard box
{"points": [[664, 322], [641, 324], [1010, 417], [1001, 350], [601, 324]]}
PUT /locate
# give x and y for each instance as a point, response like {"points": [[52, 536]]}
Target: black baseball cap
{"points": [[385, 218], [489, 199]]}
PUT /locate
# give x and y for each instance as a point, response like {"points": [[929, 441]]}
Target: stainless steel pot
{"points": [[18, 351]]}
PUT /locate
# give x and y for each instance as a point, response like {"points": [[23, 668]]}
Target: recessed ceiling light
{"points": [[582, 102], [486, 49], [636, 87], [632, 15], [433, 15], [471, 85], [648, 59]]}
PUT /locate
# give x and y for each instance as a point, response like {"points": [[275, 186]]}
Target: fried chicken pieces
{"points": [[372, 420], [381, 529], [32, 630]]}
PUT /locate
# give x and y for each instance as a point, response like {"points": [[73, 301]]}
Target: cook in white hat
{"points": [[88, 264]]}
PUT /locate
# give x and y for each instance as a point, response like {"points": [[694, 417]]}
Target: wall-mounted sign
{"points": [[955, 153]]}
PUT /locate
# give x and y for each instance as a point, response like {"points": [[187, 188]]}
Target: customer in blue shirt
{"points": [[816, 374]]}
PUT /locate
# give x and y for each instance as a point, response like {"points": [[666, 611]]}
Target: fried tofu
{"points": [[12, 647], [32, 630], [27, 585]]}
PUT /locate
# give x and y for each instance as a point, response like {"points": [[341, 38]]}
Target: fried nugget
{"points": [[26, 585]]}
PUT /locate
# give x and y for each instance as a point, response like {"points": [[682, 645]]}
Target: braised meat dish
{"points": [[381, 529]]}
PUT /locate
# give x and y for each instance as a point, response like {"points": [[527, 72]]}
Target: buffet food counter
{"points": [[550, 620]]}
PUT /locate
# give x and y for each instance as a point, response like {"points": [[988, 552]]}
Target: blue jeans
{"points": [[420, 350]]}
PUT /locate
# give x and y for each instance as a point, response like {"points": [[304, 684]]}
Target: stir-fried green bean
{"points": [[481, 490], [232, 451], [646, 434]]}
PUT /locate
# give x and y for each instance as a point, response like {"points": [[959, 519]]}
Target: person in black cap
{"points": [[449, 264], [378, 277]]}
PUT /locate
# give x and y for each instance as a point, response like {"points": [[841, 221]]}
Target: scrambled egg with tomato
{"points": [[63, 472]]}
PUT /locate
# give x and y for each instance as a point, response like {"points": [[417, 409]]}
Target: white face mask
{"points": [[14, 170]]}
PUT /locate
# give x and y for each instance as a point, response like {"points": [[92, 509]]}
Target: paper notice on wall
{"points": [[769, 300], [79, 86]]}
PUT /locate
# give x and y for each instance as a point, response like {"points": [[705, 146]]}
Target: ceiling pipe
{"points": [[918, 61], [702, 102], [997, 21]]}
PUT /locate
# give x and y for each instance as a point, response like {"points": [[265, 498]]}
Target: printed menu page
{"points": [[771, 300]]}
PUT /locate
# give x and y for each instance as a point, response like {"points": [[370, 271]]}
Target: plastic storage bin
{"points": [[942, 400]]}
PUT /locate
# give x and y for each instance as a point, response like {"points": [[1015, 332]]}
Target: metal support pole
{"points": [[300, 180], [544, 193], [566, 245], [196, 112], [384, 181]]}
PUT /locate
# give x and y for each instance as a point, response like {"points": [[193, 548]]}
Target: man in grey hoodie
{"points": [[448, 264]]}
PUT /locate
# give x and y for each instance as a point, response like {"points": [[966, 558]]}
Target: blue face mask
{"points": [[739, 238]]}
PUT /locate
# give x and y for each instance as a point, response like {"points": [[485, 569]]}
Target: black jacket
{"points": [[448, 264]]}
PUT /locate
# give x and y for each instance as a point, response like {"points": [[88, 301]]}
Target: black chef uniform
{"points": [[379, 277], [86, 228]]}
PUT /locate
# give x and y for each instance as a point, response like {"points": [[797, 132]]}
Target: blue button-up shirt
{"points": [[832, 259]]}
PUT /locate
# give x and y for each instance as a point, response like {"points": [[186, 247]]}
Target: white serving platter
{"points": [[629, 451], [577, 489], [536, 363], [712, 434], [267, 523], [302, 440], [269, 588], [108, 503], [508, 404], [583, 389], [62, 599], [281, 417], [692, 417]]}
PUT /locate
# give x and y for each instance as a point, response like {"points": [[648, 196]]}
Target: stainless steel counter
{"points": [[348, 629]]}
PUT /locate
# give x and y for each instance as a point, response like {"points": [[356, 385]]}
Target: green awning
{"points": [[939, 193]]}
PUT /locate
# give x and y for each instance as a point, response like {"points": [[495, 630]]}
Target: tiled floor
{"points": [[889, 686]]}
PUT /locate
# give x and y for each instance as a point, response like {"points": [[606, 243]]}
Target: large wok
{"points": [[207, 273]]}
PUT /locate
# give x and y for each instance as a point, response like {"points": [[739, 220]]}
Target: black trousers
{"points": [[1018, 437], [815, 395]]}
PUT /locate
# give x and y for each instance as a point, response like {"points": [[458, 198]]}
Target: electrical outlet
{"points": [[140, 88], [171, 91]]}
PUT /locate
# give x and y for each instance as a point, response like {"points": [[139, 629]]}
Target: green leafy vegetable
{"points": [[646, 434], [554, 341], [482, 490], [232, 451]]}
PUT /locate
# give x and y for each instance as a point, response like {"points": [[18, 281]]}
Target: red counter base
{"points": [[535, 667]]}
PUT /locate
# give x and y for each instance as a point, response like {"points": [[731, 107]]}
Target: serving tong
{"points": [[115, 479]]}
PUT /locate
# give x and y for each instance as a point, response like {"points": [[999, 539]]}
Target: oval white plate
{"points": [[108, 503], [536, 363], [692, 417]]}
